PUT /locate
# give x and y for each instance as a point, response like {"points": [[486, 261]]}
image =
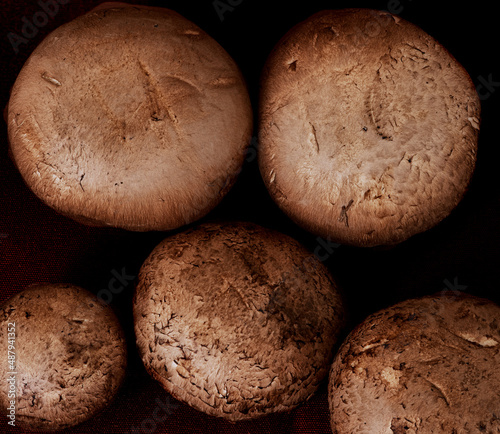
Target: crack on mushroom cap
{"points": [[70, 355], [225, 322], [419, 364]]}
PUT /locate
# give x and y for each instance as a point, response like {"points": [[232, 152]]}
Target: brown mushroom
{"points": [[428, 365], [131, 117], [368, 127], [68, 356], [236, 320]]}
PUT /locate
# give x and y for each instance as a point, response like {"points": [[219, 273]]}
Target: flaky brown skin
{"points": [[236, 320], [368, 127], [70, 356], [429, 365], [131, 117]]}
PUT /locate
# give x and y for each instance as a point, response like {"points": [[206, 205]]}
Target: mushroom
{"points": [[236, 320], [427, 365], [368, 127], [67, 356], [130, 117]]}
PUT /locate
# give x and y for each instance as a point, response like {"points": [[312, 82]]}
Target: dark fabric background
{"points": [[38, 245]]}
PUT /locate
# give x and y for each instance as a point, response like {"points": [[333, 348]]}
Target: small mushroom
{"points": [[236, 320], [67, 356], [371, 136], [130, 116], [428, 365]]}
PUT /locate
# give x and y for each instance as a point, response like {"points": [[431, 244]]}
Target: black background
{"points": [[37, 244]]}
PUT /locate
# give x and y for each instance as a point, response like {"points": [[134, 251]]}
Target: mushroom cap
{"points": [[368, 127], [423, 365], [236, 320], [130, 117], [70, 356]]}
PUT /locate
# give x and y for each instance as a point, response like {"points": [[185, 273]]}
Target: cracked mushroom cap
{"points": [[69, 356], [130, 117], [368, 127], [429, 365], [236, 320]]}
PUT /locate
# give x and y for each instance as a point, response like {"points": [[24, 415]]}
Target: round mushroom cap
{"points": [[428, 365], [368, 127], [236, 320], [68, 353], [130, 117]]}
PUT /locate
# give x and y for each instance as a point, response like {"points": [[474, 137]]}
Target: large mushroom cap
{"points": [[429, 365], [130, 117], [368, 127], [69, 356], [236, 320]]}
